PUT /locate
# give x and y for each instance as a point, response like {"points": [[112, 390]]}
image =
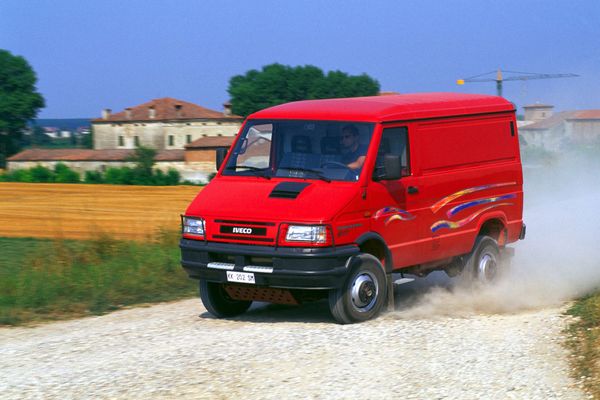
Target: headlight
{"points": [[316, 234], [192, 225]]}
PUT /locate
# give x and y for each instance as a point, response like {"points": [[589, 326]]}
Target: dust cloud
{"points": [[559, 259]]}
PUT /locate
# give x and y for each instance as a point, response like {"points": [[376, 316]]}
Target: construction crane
{"points": [[523, 76]]}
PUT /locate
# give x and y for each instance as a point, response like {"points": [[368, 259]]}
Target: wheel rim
{"points": [[365, 290], [487, 268]]}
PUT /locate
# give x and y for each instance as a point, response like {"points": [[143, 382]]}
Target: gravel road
{"points": [[275, 352]]}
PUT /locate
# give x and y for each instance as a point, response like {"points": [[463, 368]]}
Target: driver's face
{"points": [[348, 139]]}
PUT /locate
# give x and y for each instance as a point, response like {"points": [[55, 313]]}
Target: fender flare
{"points": [[389, 264], [496, 215]]}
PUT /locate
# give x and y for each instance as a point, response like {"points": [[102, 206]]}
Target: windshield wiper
{"points": [[313, 171], [251, 168]]}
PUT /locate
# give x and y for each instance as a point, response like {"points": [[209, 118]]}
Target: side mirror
{"points": [[393, 167], [221, 153], [390, 170]]}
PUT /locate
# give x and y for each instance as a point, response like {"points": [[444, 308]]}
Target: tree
{"points": [[144, 161], [19, 101], [277, 84]]}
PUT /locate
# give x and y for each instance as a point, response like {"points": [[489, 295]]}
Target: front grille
{"points": [[258, 232], [226, 221], [246, 238]]}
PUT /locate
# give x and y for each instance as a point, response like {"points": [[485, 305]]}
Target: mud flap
{"points": [[390, 292]]}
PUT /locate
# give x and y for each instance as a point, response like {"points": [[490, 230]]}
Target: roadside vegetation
{"points": [[113, 176], [584, 343], [44, 279], [142, 173]]}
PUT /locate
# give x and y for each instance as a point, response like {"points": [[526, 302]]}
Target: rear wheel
{"points": [[217, 301], [363, 293], [483, 264]]}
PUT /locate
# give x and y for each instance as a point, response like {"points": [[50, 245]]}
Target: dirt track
{"points": [[77, 211], [178, 350]]}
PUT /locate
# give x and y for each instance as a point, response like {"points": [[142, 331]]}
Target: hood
{"points": [[272, 200]]}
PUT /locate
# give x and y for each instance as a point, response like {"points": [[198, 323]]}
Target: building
{"points": [[537, 112], [200, 156], [185, 135], [195, 164], [552, 131], [163, 124], [82, 160]]}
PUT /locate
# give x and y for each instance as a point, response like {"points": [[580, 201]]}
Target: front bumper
{"points": [[278, 267]]}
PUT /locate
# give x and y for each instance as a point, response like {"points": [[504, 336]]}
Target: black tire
{"points": [[483, 265], [218, 303], [363, 293]]}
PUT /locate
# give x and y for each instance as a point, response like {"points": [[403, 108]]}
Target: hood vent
{"points": [[288, 190]]}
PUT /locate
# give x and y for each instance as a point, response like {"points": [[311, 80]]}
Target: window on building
{"points": [[136, 141], [121, 141], [171, 140], [188, 139]]}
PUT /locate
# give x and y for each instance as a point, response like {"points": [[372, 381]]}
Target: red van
{"points": [[328, 198]]}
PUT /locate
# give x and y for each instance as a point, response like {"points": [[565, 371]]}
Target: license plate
{"points": [[240, 277]]}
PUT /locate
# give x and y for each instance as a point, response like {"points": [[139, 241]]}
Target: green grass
{"points": [[56, 279], [584, 342]]}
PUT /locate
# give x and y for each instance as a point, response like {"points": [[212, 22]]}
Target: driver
{"points": [[353, 153]]}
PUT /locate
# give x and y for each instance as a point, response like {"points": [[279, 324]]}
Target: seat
{"points": [[300, 157], [301, 144], [330, 149]]}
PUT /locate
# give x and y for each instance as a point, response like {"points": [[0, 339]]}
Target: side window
{"points": [[255, 149], [394, 141]]}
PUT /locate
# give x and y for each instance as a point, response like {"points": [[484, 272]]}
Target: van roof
{"points": [[388, 107]]}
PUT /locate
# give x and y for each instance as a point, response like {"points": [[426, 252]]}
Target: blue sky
{"points": [[91, 55]]}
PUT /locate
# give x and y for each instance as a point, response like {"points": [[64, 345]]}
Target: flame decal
{"points": [[393, 214], [437, 206], [458, 224], [474, 203]]}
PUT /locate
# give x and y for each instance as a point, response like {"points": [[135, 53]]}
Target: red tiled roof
{"points": [[587, 114], [89, 155], [210, 142], [550, 122], [170, 155], [165, 109], [560, 117]]}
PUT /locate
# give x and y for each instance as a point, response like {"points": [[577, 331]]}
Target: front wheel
{"points": [[363, 293], [217, 301]]}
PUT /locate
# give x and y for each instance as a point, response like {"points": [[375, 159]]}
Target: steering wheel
{"points": [[337, 164], [351, 174]]}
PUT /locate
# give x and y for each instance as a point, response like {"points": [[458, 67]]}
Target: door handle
{"points": [[413, 190]]}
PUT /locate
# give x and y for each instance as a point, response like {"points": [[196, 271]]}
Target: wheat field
{"points": [[79, 211]]}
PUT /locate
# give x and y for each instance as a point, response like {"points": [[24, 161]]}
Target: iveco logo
{"points": [[245, 231]]}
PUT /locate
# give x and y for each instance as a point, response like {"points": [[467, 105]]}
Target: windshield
{"points": [[327, 150]]}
